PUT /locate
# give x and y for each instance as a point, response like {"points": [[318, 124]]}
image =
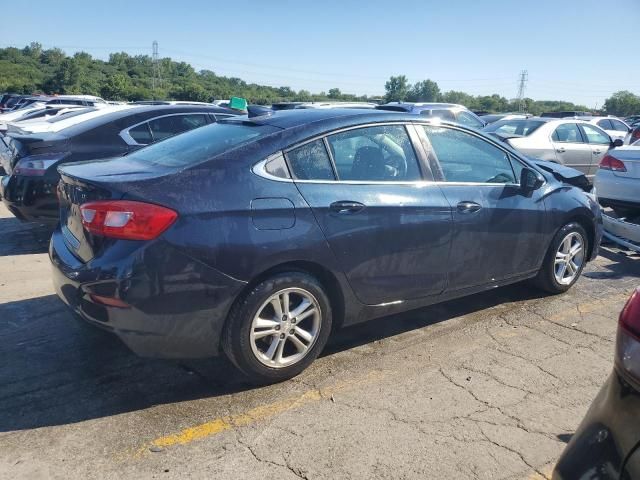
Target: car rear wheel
{"points": [[278, 328], [565, 259]]}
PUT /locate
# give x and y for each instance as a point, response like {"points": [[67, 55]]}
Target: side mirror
{"points": [[618, 142], [530, 180]]}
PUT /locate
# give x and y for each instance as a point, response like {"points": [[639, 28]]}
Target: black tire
{"points": [[236, 341], [546, 279]]}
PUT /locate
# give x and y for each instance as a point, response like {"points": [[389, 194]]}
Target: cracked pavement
{"points": [[488, 387]]}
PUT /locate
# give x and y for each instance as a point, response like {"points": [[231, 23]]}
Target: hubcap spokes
{"points": [[285, 327], [569, 258]]}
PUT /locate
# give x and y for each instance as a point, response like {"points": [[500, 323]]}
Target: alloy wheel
{"points": [[285, 328], [569, 258]]}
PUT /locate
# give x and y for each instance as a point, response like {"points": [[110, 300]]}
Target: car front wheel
{"points": [[565, 259], [278, 328]]}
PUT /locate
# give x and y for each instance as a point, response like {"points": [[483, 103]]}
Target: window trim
{"points": [[128, 139]]}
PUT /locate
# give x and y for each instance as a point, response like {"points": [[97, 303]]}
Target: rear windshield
{"points": [[201, 144], [71, 113], [521, 128]]}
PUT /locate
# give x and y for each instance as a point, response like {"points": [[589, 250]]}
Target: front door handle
{"points": [[346, 206], [468, 207], [597, 152], [561, 150]]}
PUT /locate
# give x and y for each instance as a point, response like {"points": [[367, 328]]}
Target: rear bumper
{"points": [[608, 433], [177, 305], [617, 191], [30, 199]]}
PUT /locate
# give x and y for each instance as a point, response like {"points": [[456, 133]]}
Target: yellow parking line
{"points": [[257, 414]]}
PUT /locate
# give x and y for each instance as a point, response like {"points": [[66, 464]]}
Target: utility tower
{"points": [[524, 76], [155, 81]]}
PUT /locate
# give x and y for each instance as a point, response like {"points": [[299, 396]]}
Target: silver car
{"points": [[575, 143], [617, 183]]}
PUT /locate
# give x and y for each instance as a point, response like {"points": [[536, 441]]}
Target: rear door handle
{"points": [[468, 207], [597, 152], [346, 206], [561, 150]]}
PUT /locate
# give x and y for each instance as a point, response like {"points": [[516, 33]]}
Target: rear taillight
{"points": [[612, 163], [126, 219], [628, 342], [37, 165]]}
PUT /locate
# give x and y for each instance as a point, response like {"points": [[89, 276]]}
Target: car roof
{"points": [[297, 117]]}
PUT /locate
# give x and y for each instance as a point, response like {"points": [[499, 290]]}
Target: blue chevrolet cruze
{"points": [[257, 236]]}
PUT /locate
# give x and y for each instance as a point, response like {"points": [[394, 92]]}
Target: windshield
{"points": [[200, 144], [520, 128]]}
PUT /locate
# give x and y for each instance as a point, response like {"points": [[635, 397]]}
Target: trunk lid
{"points": [[15, 147], [630, 156], [90, 181]]}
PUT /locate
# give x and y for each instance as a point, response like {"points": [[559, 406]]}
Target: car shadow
{"points": [[623, 264], [22, 238], [57, 370]]}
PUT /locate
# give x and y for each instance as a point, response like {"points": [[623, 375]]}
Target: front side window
{"points": [[381, 153], [595, 135], [567, 133], [466, 158], [169, 126], [311, 162], [465, 118], [619, 126]]}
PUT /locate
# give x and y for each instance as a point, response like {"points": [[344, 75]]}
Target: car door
{"points": [[571, 148], [599, 143], [498, 230], [389, 229]]}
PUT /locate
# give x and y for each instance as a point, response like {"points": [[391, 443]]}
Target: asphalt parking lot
{"points": [[489, 387]]}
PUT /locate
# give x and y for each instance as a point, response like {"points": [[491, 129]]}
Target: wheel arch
{"points": [[585, 222]]}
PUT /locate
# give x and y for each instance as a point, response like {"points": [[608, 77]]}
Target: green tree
{"points": [[622, 103], [116, 88], [397, 89], [335, 94], [424, 91]]}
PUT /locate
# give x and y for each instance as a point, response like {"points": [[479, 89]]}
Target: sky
{"points": [[576, 50]]}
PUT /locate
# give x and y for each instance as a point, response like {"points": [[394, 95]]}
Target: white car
{"points": [[64, 120], [571, 142], [614, 127], [617, 183]]}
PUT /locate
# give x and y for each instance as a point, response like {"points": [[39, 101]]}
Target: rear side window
{"points": [[169, 126], [201, 144], [605, 124], [141, 134], [382, 153], [567, 133], [595, 135], [466, 158], [311, 162], [465, 118]]}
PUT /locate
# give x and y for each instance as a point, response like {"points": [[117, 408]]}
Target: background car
{"points": [[606, 445], [494, 117], [336, 105], [31, 160], [617, 181], [614, 127], [565, 114], [258, 235], [445, 111], [574, 143], [634, 135]]}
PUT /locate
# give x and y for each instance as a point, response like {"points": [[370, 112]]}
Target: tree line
{"points": [[33, 69]]}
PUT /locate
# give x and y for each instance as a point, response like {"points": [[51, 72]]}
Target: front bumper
{"points": [[177, 305], [31, 199], [608, 433]]}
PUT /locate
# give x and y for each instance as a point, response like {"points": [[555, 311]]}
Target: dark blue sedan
{"points": [[258, 236]]}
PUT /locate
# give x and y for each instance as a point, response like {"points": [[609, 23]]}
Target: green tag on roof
{"points": [[238, 103]]}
